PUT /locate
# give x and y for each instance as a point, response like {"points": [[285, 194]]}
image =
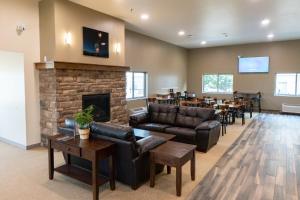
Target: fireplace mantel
{"points": [[79, 66]]}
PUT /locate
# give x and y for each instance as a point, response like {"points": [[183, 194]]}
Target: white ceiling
{"points": [[206, 19]]}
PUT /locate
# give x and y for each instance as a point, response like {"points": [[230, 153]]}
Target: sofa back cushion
{"points": [[191, 117], [163, 113], [114, 131]]}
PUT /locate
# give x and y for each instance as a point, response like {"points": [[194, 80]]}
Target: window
{"points": [[287, 84], [217, 83], [135, 85]]}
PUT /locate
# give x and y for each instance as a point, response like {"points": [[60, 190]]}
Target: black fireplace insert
{"points": [[101, 103]]}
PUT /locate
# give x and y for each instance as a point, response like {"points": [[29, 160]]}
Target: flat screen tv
{"points": [[253, 64], [95, 43]]}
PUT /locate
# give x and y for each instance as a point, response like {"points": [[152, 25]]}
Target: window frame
{"points": [[218, 74], [132, 84], [296, 85]]}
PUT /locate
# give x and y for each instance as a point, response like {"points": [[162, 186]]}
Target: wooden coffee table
{"points": [[140, 133], [93, 150], [173, 154]]}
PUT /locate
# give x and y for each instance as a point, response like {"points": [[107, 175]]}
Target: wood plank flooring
{"points": [[264, 163]]}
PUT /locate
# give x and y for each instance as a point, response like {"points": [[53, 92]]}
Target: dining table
{"points": [[233, 108]]}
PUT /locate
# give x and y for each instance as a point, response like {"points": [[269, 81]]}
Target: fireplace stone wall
{"points": [[61, 93]]}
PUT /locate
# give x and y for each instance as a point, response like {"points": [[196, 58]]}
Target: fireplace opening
{"points": [[101, 103]]}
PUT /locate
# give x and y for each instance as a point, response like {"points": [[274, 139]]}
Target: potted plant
{"points": [[83, 120]]}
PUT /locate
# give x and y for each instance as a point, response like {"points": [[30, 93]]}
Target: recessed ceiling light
{"points": [[270, 36], [181, 33], [265, 22], [144, 16], [203, 42]]}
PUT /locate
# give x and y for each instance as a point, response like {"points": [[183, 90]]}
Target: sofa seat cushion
{"points": [[162, 113], [191, 117], [182, 134], [153, 127]]}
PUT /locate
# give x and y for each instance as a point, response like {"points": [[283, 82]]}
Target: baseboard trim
{"points": [[21, 146], [289, 113], [33, 146], [270, 111]]}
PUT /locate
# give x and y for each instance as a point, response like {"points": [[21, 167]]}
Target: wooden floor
{"points": [[264, 163]]}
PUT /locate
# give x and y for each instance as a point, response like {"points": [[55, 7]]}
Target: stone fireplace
{"points": [[66, 88]]}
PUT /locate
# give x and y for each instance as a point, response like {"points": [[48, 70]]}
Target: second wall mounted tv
{"points": [[254, 64]]}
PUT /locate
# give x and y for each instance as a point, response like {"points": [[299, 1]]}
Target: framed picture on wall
{"points": [[95, 43]]}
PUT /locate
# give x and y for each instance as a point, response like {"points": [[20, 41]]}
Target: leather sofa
{"points": [[192, 125], [132, 157]]}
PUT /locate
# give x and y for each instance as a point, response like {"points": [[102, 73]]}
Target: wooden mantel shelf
{"points": [[79, 66]]}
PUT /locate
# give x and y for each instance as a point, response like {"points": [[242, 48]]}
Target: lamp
{"points": [[68, 38], [117, 48]]}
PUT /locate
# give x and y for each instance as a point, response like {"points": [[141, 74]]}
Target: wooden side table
{"points": [[173, 154], [92, 150]]}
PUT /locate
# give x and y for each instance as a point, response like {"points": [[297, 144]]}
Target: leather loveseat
{"points": [[191, 125], [132, 157]]}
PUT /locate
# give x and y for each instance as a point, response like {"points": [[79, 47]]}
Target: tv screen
{"points": [[254, 64], [95, 43]]}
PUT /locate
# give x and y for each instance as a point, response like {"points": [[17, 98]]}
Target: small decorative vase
{"points": [[84, 133]]}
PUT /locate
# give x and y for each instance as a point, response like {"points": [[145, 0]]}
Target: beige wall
{"points": [[284, 57], [165, 63], [71, 17], [13, 13], [47, 29]]}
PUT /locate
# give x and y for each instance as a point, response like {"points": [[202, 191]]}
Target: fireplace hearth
{"points": [[101, 103]]}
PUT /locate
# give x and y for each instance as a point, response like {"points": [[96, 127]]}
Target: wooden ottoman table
{"points": [[173, 154]]}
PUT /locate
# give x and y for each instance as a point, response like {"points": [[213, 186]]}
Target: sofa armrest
{"points": [[148, 143], [207, 125], [139, 118]]}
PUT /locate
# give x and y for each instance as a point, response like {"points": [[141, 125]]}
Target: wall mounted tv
{"points": [[95, 43], [254, 64]]}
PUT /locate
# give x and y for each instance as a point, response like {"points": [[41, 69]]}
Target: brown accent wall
{"points": [[284, 57]]}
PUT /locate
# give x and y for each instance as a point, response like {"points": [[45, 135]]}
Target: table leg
{"points": [[233, 117], [68, 159], [178, 180], [94, 177], [50, 160], [193, 168], [112, 172], [152, 170], [168, 169]]}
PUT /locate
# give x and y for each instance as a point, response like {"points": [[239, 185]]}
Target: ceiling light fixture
{"points": [[181, 33], [144, 16], [68, 38], [270, 36], [265, 22], [203, 42]]}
